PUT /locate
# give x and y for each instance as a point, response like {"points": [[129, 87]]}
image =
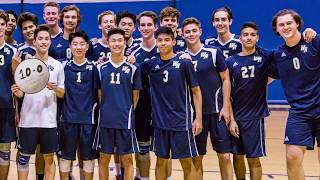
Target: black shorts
{"points": [[7, 125]]}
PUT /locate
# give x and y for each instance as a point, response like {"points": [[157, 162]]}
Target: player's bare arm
{"points": [[226, 91], [135, 96], [16, 91], [59, 91], [309, 34], [197, 98], [16, 60]]}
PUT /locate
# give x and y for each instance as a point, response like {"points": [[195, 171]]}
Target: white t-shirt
{"points": [[40, 109]]}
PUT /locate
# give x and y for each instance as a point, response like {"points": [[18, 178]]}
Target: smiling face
{"points": [[3, 26], [287, 27], [147, 27], [79, 47], [42, 42], [12, 23], [51, 15], [107, 22], [165, 43], [249, 37], [70, 20], [116, 43], [191, 33], [28, 28], [221, 22], [127, 25], [171, 22]]}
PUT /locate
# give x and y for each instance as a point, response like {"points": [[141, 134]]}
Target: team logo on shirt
{"points": [[7, 51], [125, 69], [204, 55], [157, 66], [235, 64], [233, 46], [257, 58], [180, 43], [59, 45], [89, 67], [50, 67], [176, 64], [304, 48], [283, 54]]}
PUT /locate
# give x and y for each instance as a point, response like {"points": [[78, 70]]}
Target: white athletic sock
{"points": [[118, 169], [144, 178], [169, 178]]}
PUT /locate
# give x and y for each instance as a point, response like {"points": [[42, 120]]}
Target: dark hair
{"points": [[27, 16], [169, 11], [42, 27], [297, 18], [52, 4], [249, 24], [4, 16], [115, 31], [79, 33], [13, 13], [164, 30], [70, 8], [225, 9], [150, 14], [191, 20], [124, 14]]}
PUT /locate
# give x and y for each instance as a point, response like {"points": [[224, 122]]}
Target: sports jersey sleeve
{"points": [[220, 61], [273, 70], [96, 78], [137, 83], [190, 73], [61, 77]]}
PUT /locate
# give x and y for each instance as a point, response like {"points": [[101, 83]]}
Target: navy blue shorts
{"points": [[117, 141], [7, 125], [30, 137], [219, 135], [302, 131], [73, 136], [174, 144], [252, 139]]}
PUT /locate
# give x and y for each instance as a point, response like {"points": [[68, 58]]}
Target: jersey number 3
{"points": [[1, 60]]}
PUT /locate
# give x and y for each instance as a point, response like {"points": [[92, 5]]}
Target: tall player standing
{"points": [[51, 12], [7, 112], [298, 66], [171, 79], [38, 123], [214, 81], [146, 50], [119, 93]]}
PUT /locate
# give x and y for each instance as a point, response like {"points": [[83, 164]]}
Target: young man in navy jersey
{"points": [[228, 43], [249, 71], [51, 12], [119, 93], [38, 123], [297, 65], [70, 19], [214, 81], [169, 17], [7, 111], [171, 79], [77, 127], [11, 27], [147, 25]]}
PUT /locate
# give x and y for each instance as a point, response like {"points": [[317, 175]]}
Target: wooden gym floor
{"points": [[274, 165]]}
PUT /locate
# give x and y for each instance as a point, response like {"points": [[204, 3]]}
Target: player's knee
{"points": [[64, 165], [254, 162], [224, 157], [4, 158], [88, 166], [294, 155], [23, 162], [144, 157], [126, 160]]}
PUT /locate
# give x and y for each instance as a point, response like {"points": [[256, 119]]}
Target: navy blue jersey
{"points": [[6, 77], [170, 84], [208, 62], [60, 49], [26, 51], [249, 77], [117, 84], [129, 47], [98, 50], [298, 68], [81, 87], [57, 35], [229, 48], [181, 44]]}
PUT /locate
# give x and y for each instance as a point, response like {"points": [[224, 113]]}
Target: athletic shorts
{"points": [[30, 137], [302, 131], [219, 135], [252, 139], [7, 125], [174, 144], [73, 136], [117, 141]]}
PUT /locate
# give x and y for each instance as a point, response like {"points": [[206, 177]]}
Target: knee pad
{"points": [[23, 162], [4, 158], [144, 157], [88, 166], [64, 165]]}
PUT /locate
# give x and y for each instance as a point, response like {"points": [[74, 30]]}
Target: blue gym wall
{"points": [[260, 12]]}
